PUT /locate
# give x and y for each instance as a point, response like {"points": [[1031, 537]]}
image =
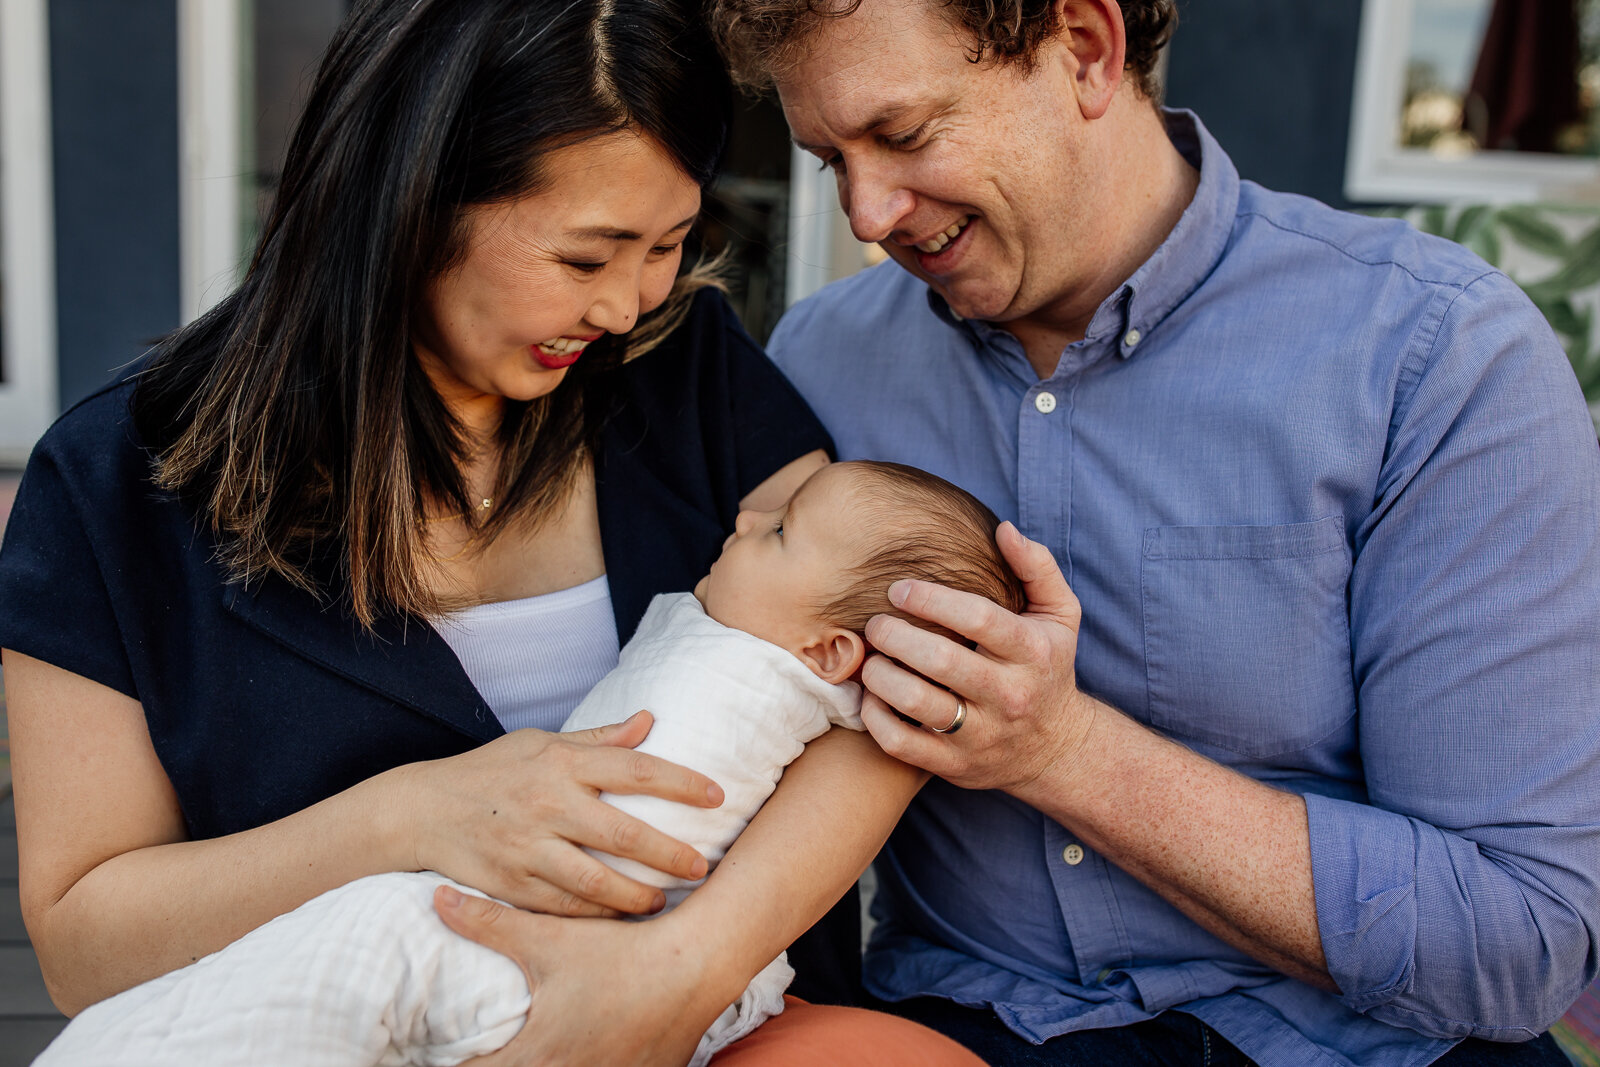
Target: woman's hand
{"points": [[509, 818], [605, 993]]}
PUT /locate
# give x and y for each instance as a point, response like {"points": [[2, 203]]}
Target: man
{"points": [[1315, 776]]}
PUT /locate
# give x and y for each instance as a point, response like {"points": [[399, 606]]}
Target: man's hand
{"points": [[1024, 714]]}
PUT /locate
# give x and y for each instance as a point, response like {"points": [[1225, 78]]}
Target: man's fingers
{"points": [[968, 614], [929, 654], [1042, 580], [900, 739], [907, 693]]}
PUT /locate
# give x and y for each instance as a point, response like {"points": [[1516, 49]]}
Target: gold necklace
{"points": [[484, 505]]}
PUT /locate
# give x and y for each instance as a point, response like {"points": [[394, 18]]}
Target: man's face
{"points": [[972, 176]]}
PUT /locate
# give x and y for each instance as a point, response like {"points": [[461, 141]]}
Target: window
{"points": [[27, 261]]}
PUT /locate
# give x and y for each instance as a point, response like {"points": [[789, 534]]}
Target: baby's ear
{"points": [[834, 654]]}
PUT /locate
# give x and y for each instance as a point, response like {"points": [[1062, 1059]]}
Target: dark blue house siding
{"points": [[1273, 82], [114, 89]]}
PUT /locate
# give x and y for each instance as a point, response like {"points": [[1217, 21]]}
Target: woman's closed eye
{"points": [[586, 266]]}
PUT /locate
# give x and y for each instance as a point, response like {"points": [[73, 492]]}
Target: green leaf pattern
{"points": [[1551, 251]]}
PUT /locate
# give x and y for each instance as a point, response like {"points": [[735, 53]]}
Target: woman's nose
{"points": [[616, 305]]}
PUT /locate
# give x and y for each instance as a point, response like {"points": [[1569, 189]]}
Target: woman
{"points": [[433, 390]]}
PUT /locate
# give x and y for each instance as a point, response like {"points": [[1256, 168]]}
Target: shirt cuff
{"points": [[1364, 871]]}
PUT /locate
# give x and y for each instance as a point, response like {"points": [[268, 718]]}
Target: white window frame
{"points": [[821, 247], [1379, 170], [28, 397], [211, 168]]}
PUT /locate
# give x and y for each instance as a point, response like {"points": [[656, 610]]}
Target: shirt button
{"points": [[1045, 402], [1132, 338], [1073, 854]]}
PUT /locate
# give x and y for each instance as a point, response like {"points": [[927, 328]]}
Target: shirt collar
{"points": [[1179, 265], [1191, 250]]}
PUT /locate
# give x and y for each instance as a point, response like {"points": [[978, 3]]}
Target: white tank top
{"points": [[534, 659]]}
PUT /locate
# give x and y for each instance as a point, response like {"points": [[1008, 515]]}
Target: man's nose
{"points": [[876, 201]]}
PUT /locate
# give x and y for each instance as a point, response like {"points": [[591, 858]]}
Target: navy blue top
{"points": [[261, 701]]}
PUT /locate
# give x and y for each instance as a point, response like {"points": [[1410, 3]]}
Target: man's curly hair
{"points": [[758, 37]]}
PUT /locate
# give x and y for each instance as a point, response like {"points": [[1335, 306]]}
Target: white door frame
{"points": [[28, 396], [211, 150]]}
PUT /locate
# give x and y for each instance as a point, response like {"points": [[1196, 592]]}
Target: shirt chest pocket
{"points": [[1246, 634]]}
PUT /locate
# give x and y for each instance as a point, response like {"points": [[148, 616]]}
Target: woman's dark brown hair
{"points": [[294, 415], [758, 36]]}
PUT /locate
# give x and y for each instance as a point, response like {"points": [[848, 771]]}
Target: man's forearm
{"points": [[1230, 852]]}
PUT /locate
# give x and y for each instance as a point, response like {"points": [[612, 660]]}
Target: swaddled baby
{"points": [[739, 676]]}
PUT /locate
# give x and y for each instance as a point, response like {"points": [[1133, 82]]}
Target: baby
{"points": [[739, 676]]}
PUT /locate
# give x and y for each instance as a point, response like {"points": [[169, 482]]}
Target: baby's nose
{"points": [[742, 524]]}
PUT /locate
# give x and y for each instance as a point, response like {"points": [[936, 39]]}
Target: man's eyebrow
{"points": [[614, 233], [888, 115]]}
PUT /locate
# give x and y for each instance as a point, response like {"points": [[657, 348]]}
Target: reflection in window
{"points": [[1503, 75], [287, 38]]}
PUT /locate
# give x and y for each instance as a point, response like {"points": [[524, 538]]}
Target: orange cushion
{"points": [[809, 1034]]}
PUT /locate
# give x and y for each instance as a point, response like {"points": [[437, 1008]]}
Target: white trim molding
{"points": [[821, 247], [1379, 170], [210, 83], [28, 395]]}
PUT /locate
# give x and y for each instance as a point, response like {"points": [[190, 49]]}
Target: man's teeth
{"points": [[563, 346], [938, 241]]}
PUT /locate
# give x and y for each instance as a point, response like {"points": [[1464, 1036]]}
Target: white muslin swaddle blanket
{"points": [[367, 974]]}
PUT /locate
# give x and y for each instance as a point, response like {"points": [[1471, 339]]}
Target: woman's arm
{"points": [[831, 812], [114, 893], [781, 485]]}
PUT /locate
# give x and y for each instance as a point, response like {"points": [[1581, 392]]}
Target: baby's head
{"points": [[809, 575]]}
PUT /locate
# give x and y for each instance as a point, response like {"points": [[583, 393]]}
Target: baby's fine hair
{"points": [[921, 527]]}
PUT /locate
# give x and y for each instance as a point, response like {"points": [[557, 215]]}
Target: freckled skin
{"points": [[1062, 209], [1072, 184]]}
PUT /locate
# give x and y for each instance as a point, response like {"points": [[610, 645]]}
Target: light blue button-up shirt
{"points": [[1330, 498]]}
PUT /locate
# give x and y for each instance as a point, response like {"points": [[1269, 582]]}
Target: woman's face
{"points": [[545, 275]]}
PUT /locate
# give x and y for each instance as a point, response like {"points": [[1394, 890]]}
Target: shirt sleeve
{"points": [[54, 602], [1464, 899]]}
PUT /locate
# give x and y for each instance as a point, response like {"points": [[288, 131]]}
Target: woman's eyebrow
{"points": [[615, 233]]}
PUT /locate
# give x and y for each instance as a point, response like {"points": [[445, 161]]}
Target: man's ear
{"points": [[834, 654], [1093, 34]]}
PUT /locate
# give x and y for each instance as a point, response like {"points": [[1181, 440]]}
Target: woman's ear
{"points": [[834, 654]]}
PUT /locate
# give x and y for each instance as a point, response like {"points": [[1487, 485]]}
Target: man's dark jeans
{"points": [[1172, 1039]]}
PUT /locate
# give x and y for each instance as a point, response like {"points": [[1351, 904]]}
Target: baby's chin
{"points": [[700, 588]]}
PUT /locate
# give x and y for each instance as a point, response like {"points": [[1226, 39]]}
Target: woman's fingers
{"points": [[607, 829], [612, 767]]}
